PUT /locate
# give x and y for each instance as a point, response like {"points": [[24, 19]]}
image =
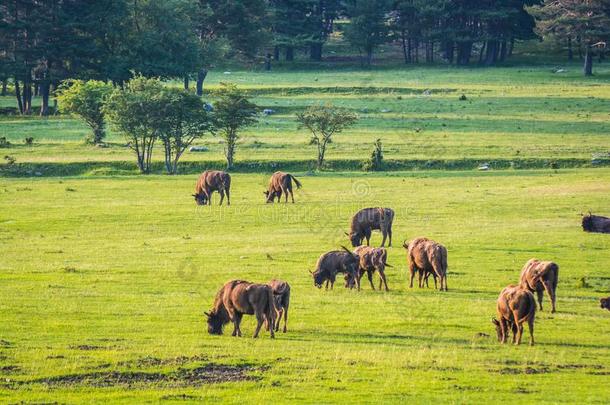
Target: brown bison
{"points": [[515, 306], [371, 260], [238, 297], [426, 256], [368, 219], [605, 303], [210, 181], [279, 183], [547, 276], [281, 294], [595, 223], [331, 263]]}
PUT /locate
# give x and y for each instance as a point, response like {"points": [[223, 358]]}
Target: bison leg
{"points": [[236, 322], [228, 197], [390, 236], [222, 195], [503, 330], [530, 324], [383, 279], [540, 294], [259, 319], [291, 195], [412, 274], [369, 275], [549, 290], [285, 317], [279, 314], [384, 235]]}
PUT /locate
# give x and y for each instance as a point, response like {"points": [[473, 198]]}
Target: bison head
{"points": [[605, 303], [587, 223], [355, 238], [318, 278], [215, 323], [200, 199]]}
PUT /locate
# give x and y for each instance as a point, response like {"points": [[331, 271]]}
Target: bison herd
{"points": [[269, 302]]}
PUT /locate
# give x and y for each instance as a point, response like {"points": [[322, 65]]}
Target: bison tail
{"points": [[270, 312], [298, 183]]}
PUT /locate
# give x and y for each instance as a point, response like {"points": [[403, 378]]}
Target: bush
{"points": [[4, 143], [375, 162], [86, 99], [29, 141]]}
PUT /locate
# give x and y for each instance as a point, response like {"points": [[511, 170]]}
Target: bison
{"points": [[371, 260], [605, 303], [368, 219], [546, 275], [331, 263], [279, 183], [515, 306], [210, 181], [281, 295], [238, 297], [595, 223], [426, 256]]}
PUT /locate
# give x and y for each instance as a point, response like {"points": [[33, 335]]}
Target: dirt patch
{"points": [[5, 343], [150, 361], [599, 372], [526, 370], [11, 369], [208, 374], [579, 366], [89, 347], [181, 397]]}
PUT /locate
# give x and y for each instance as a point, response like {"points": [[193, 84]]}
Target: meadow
{"points": [[105, 274]]}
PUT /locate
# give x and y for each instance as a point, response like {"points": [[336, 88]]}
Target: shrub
{"points": [[86, 99], [4, 143], [375, 162]]}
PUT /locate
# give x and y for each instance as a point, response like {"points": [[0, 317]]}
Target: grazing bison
{"points": [[371, 260], [605, 303], [515, 306], [331, 263], [368, 219], [281, 295], [210, 181], [426, 256], [237, 298], [595, 223], [547, 274], [279, 183]]}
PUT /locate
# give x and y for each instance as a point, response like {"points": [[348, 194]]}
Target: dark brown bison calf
{"points": [[515, 306], [426, 256], [605, 303], [595, 223], [281, 295], [331, 263], [368, 219], [210, 181], [279, 183], [547, 274], [371, 260], [238, 297]]}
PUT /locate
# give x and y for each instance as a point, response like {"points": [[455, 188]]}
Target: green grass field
{"points": [[104, 275]]}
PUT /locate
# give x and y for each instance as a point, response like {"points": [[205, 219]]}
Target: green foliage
{"points": [[232, 112], [368, 27], [133, 111], [86, 100], [323, 121], [375, 162], [180, 121]]}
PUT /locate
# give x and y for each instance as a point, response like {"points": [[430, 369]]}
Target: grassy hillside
{"points": [[103, 283], [509, 114]]}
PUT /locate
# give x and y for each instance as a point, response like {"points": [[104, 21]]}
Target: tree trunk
{"points": [[27, 97], [431, 51], [45, 90], [511, 47], [276, 53], [289, 54], [186, 82], [579, 42], [268, 62], [449, 51], [315, 51], [4, 86], [321, 152], [18, 95], [502, 54], [588, 68], [404, 47], [416, 48], [230, 151], [570, 51], [369, 56], [482, 52], [492, 52], [200, 78], [464, 50]]}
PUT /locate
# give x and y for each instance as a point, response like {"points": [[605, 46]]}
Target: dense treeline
{"points": [[43, 42]]}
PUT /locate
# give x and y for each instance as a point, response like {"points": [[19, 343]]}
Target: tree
{"points": [[587, 20], [232, 112], [323, 122], [375, 162], [181, 120], [86, 100], [368, 26], [133, 111]]}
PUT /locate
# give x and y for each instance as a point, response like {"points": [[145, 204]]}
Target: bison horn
{"points": [[206, 314], [310, 272], [387, 265]]}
